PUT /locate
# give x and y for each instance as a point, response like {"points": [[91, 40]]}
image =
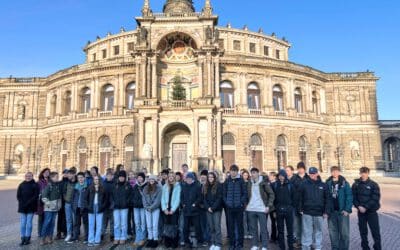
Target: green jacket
{"points": [[51, 197], [266, 192], [69, 192], [345, 195]]}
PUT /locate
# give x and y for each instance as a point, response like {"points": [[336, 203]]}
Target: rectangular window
{"points": [[131, 46], [94, 57], [236, 45], [252, 48], [104, 51], [116, 50], [278, 54], [266, 51], [221, 43]]}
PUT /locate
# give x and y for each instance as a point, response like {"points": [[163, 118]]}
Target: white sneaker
{"points": [[67, 238], [212, 247], [217, 248], [254, 248], [264, 248]]}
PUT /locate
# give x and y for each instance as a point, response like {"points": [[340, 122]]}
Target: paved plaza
{"points": [[9, 223]]}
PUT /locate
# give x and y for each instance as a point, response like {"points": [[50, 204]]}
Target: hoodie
{"points": [[260, 195], [284, 194]]}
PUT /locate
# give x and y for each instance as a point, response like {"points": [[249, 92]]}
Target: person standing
{"points": [[61, 220], [27, 197], [190, 201], [272, 215], [42, 182], [121, 198], [314, 205], [131, 221], [170, 201], [138, 210], [261, 200], [212, 199], [96, 200], [108, 217], [80, 209], [68, 194], [51, 197], [246, 228], [235, 200], [366, 198], [297, 180], [152, 204], [284, 207]]}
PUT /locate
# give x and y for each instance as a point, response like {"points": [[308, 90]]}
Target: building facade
{"points": [[181, 89]]}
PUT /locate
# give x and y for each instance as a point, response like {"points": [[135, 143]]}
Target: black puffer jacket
{"points": [[102, 199], [191, 199], [213, 200], [108, 188], [366, 194], [27, 196], [235, 193], [121, 195], [314, 198], [284, 195], [137, 197]]}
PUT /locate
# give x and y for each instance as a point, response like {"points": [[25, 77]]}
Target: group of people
{"points": [[183, 209]]}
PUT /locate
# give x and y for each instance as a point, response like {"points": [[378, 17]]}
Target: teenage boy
{"points": [[366, 198], [261, 200]]}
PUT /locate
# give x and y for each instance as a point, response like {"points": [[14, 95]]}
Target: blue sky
{"points": [[40, 37]]}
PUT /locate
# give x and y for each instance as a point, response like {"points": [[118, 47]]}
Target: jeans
{"points": [[297, 226], [120, 224], [152, 219], [246, 227], [48, 224], [256, 218], [339, 231], [108, 217], [69, 218], [235, 227], [370, 219], [140, 224], [26, 224], [205, 229], [285, 216], [95, 225], [81, 215], [312, 229], [214, 224], [40, 224], [181, 227]]}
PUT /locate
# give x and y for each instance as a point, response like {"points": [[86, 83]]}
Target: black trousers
{"points": [[81, 215], [285, 216], [195, 222], [61, 221], [274, 231], [235, 218], [174, 221], [370, 219], [131, 222]]}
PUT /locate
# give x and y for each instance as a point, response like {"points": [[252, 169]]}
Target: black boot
{"points": [[155, 244], [27, 240], [22, 241], [149, 243]]}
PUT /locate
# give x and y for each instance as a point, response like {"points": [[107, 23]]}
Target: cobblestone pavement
{"points": [[9, 224]]}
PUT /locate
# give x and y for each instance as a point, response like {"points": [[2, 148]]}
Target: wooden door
{"points": [[104, 161], [228, 157], [179, 155], [82, 161], [257, 159]]}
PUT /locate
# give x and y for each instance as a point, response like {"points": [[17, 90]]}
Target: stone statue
{"points": [[142, 36], [208, 33], [216, 35], [21, 111]]}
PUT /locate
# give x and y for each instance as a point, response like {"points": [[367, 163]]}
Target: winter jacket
{"points": [[108, 188], [266, 192], [284, 195], [152, 201], [102, 199], [42, 183], [211, 200], [175, 199], [366, 194], [68, 191], [51, 197], [79, 200], [345, 195], [121, 195], [191, 199], [27, 196], [314, 198], [235, 193], [137, 197]]}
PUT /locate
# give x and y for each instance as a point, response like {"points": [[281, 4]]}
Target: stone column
{"points": [[60, 98], [121, 91], [216, 79], [155, 144], [137, 72], [209, 85], [140, 137], [154, 82], [200, 67], [195, 139]]}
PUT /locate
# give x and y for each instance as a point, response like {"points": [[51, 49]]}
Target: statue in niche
{"points": [[18, 154], [350, 100], [142, 37], [21, 110], [208, 34], [216, 35]]}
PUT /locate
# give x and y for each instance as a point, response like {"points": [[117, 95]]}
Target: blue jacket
{"points": [[235, 193], [79, 200], [345, 195], [175, 199]]}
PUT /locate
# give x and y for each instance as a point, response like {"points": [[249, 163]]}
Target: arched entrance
{"points": [[176, 146], [391, 152]]}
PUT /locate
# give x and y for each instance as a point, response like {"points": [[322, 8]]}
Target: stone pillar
{"points": [[137, 72], [60, 98], [154, 82], [155, 144], [216, 79], [201, 83], [209, 85], [75, 97], [121, 91], [195, 139], [143, 78]]}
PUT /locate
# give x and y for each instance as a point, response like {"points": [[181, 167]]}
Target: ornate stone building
{"points": [[181, 89]]}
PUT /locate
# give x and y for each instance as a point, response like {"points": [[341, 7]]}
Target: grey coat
{"points": [[152, 201]]}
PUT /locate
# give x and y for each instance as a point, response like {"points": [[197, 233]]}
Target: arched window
{"points": [[226, 94], [53, 106], [253, 96], [277, 98], [298, 100], [85, 100], [256, 151], [107, 97], [392, 153], [303, 149], [64, 153], [228, 150], [315, 103], [129, 149], [82, 153], [67, 103], [255, 140], [281, 151], [228, 139], [130, 95], [355, 150], [105, 149]]}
